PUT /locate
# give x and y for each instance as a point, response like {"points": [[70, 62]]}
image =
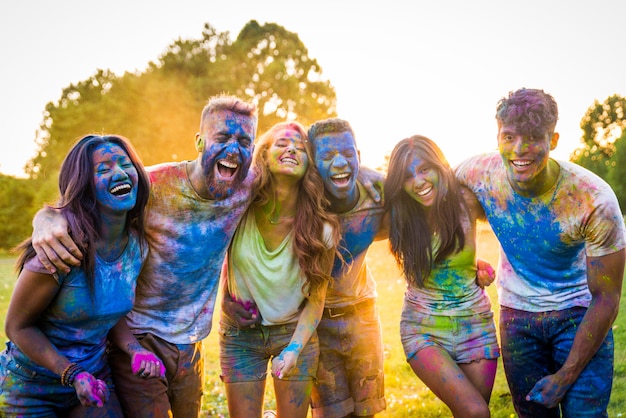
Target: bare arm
{"points": [[383, 229], [485, 274], [477, 213], [307, 324], [32, 294], [52, 242], [143, 362], [604, 278]]}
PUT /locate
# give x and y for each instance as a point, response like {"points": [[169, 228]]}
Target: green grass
{"points": [[406, 395]]}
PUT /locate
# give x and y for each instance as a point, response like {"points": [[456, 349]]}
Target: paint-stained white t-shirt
{"points": [[188, 237], [546, 239]]}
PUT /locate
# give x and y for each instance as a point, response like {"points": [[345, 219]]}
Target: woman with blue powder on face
{"points": [[447, 326], [278, 267], [55, 362]]}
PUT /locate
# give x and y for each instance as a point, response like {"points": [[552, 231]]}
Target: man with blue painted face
{"points": [[562, 257], [193, 211], [350, 380]]}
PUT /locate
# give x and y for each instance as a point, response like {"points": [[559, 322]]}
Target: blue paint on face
{"points": [[115, 178], [337, 160], [227, 153]]}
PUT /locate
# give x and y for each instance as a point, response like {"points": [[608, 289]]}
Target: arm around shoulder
{"points": [[372, 181], [52, 242]]}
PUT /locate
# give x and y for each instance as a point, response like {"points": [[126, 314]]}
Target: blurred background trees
{"points": [[159, 108], [603, 148]]}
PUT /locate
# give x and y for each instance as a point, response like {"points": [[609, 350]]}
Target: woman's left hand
{"points": [[91, 391], [284, 363]]}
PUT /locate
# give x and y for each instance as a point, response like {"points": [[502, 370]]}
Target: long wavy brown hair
{"points": [[311, 215], [411, 227]]}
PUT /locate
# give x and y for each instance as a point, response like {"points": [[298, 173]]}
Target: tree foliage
{"points": [[159, 109], [16, 210], [603, 148]]}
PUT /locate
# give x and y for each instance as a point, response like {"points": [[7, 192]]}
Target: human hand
{"points": [[244, 313], [548, 391], [485, 274], [52, 242], [146, 364], [284, 364], [286, 361], [373, 181], [90, 391]]}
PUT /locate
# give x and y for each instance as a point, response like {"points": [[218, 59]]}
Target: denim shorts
{"points": [[245, 353], [24, 392], [350, 376], [465, 338], [536, 344]]}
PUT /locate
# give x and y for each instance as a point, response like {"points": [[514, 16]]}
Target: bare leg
{"points": [[293, 397], [245, 399], [447, 380], [482, 374]]}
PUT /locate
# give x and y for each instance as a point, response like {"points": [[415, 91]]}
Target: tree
{"points": [[16, 210], [159, 109], [603, 148]]}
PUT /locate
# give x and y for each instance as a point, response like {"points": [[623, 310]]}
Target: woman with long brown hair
{"points": [[447, 325], [278, 267], [55, 363]]}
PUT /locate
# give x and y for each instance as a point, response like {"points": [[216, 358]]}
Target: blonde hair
{"points": [[226, 102]]}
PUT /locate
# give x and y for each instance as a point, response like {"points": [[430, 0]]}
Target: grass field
{"points": [[406, 395]]}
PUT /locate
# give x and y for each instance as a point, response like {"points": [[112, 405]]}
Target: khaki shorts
{"points": [[178, 393]]}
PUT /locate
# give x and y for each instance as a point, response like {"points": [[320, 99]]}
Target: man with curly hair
{"points": [[561, 232]]}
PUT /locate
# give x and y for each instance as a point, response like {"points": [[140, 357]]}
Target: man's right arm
{"points": [[52, 242]]}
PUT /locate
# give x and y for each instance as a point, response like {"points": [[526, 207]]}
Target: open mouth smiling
{"points": [[289, 160], [425, 191], [121, 189], [521, 163], [341, 179], [227, 168]]}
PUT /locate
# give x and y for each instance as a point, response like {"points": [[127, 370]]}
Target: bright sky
{"points": [[399, 67]]}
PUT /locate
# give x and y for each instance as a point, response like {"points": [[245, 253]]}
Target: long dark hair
{"points": [[78, 203], [411, 227]]}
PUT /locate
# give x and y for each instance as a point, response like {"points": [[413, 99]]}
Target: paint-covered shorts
{"points": [[350, 376], [24, 392], [245, 353], [466, 338], [177, 394]]}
